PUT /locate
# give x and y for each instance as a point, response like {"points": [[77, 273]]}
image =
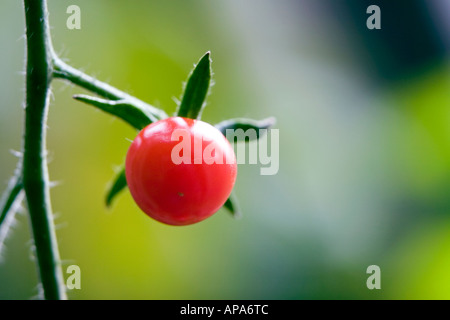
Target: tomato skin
{"points": [[185, 193]]}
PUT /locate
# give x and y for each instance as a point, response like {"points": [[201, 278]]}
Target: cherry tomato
{"points": [[180, 171]]}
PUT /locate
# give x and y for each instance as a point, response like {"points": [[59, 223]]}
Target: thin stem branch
{"points": [[12, 191], [10, 203], [39, 71], [64, 71]]}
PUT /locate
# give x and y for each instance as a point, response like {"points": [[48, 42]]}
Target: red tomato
{"points": [[180, 171]]}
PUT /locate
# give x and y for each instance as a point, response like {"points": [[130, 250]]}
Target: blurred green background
{"points": [[364, 172]]}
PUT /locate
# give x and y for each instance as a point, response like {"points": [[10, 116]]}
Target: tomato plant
{"points": [[176, 193], [180, 171]]}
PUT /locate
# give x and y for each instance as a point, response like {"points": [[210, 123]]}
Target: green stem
{"points": [[11, 193], [39, 72], [64, 71], [10, 203]]}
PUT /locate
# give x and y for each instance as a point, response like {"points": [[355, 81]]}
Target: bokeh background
{"points": [[364, 122]]}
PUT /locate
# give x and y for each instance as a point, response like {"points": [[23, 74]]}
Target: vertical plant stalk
{"points": [[35, 172]]}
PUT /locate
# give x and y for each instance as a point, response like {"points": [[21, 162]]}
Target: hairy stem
{"points": [[11, 193], [39, 72], [10, 203], [64, 71]]}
